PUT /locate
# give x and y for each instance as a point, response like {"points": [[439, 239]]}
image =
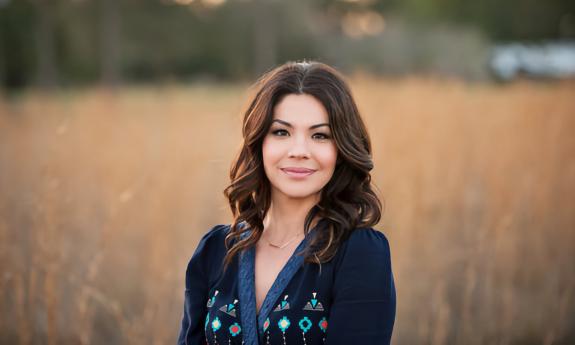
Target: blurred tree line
{"points": [[52, 43]]}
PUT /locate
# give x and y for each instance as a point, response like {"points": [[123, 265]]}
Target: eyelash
{"points": [[325, 136]]}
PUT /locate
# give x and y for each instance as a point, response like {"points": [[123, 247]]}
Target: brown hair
{"points": [[347, 201]]}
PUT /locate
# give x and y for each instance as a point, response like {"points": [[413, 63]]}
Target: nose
{"points": [[299, 149]]}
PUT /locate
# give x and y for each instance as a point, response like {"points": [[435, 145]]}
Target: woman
{"points": [[300, 263]]}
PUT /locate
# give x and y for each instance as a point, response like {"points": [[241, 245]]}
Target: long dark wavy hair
{"points": [[347, 201]]}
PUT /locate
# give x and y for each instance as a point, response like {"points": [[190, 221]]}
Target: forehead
{"points": [[300, 110]]}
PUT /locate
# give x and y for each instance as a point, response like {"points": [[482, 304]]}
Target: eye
{"points": [[280, 132], [322, 136]]}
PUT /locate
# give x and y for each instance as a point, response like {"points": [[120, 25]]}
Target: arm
{"points": [[363, 308], [196, 294]]}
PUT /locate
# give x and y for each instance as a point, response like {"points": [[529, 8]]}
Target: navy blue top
{"points": [[348, 300]]}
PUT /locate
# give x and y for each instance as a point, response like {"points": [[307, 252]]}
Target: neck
{"points": [[286, 218]]}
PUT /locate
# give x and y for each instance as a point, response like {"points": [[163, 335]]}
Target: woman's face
{"points": [[298, 151]]}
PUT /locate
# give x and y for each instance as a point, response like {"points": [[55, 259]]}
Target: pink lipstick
{"points": [[297, 172]]}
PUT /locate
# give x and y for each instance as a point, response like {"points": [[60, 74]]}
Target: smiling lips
{"points": [[297, 172]]}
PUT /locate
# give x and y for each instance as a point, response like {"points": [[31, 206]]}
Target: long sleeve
{"points": [[364, 301], [196, 293]]}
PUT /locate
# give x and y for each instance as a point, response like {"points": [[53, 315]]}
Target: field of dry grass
{"points": [[103, 198]]}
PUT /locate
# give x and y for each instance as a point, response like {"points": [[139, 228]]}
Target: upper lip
{"points": [[298, 170]]}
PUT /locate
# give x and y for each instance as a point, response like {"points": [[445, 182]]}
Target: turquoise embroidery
{"points": [[266, 325], [284, 305], [283, 323], [323, 324], [313, 304], [235, 329], [305, 324], [230, 309], [212, 300], [216, 324]]}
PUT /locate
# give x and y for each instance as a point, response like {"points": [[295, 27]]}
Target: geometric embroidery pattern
{"points": [[283, 305], [266, 326], [230, 309], [216, 324], [323, 324], [206, 327], [305, 324], [212, 300], [235, 329], [284, 323], [313, 304]]}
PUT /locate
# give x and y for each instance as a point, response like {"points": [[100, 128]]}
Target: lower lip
{"points": [[297, 175]]}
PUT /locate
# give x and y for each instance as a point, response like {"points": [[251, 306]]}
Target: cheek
{"points": [[328, 157], [270, 152]]}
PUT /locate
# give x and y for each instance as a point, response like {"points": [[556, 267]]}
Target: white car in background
{"points": [[549, 60]]}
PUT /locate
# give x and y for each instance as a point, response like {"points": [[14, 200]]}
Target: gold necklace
{"points": [[283, 245]]}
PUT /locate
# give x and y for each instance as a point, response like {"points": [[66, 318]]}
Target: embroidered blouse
{"points": [[349, 300]]}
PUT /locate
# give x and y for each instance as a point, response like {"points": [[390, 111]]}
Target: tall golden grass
{"points": [[103, 197]]}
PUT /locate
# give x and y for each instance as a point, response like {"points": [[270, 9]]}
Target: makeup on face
{"points": [[299, 152]]}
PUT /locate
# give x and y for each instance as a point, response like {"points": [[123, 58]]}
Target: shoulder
{"points": [[366, 240], [364, 288], [364, 247], [209, 249], [216, 233], [214, 239], [364, 266]]}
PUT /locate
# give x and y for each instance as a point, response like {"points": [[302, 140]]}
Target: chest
{"points": [[294, 301], [269, 262], [299, 315]]}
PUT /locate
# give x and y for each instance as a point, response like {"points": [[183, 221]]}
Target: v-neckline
{"points": [[247, 294], [284, 267]]}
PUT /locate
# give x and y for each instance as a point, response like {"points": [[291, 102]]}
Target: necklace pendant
{"points": [[283, 245]]}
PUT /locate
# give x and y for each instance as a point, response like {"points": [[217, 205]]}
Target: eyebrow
{"points": [[290, 125]]}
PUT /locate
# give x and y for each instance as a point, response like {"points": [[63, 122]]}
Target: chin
{"points": [[298, 193]]}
